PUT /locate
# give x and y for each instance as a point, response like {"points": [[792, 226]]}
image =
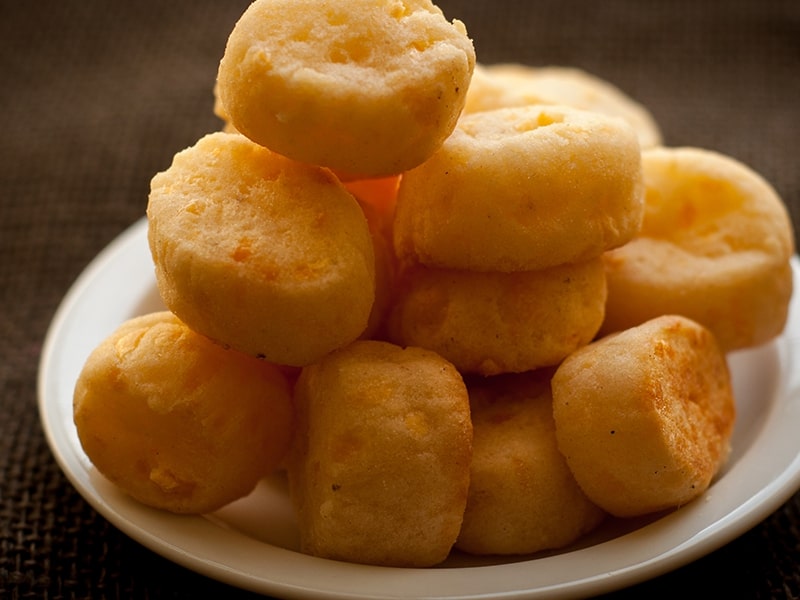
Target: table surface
{"points": [[97, 97]]}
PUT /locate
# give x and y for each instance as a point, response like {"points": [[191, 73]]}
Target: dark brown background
{"points": [[98, 96]]}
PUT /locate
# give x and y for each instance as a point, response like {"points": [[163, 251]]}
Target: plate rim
{"points": [[172, 536]]}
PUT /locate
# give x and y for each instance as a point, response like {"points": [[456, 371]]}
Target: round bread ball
{"points": [[644, 417], [521, 189], [715, 246], [379, 469], [491, 323], [522, 496], [368, 88], [178, 422], [266, 255], [509, 84]]}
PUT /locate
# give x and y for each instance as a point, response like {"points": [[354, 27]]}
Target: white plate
{"points": [[252, 543]]}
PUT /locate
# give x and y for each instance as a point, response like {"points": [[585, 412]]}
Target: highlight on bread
{"points": [[510, 84], [644, 417]]}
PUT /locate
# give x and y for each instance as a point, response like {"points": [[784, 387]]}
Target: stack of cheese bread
{"points": [[462, 306]]}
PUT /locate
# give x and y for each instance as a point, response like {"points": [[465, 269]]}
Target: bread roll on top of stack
{"points": [[404, 271], [368, 88]]}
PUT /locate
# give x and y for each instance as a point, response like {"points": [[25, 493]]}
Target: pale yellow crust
{"points": [[715, 245], [522, 497], [365, 87], [492, 323], [644, 417], [379, 469], [510, 84], [519, 189], [176, 421], [260, 253]]}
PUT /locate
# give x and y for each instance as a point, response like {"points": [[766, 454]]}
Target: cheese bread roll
{"points": [[379, 469], [519, 189], [178, 422], [644, 417], [260, 253], [522, 496], [715, 246], [365, 87], [490, 323], [510, 84]]}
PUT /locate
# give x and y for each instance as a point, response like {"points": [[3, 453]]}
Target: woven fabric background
{"points": [[97, 97]]}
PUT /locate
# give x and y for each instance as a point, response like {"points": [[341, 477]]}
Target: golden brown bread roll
{"points": [[490, 323], [367, 88], [522, 496], [511, 84], [379, 469], [260, 253], [715, 246], [520, 189], [644, 417], [178, 422]]}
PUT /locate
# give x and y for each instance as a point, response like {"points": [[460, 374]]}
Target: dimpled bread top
{"points": [[267, 255], [362, 86], [522, 188], [257, 212], [711, 205], [510, 84]]}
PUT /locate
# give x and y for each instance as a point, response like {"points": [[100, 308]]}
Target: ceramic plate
{"points": [[252, 542]]}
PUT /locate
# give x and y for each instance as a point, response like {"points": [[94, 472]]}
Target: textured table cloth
{"points": [[98, 96]]}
